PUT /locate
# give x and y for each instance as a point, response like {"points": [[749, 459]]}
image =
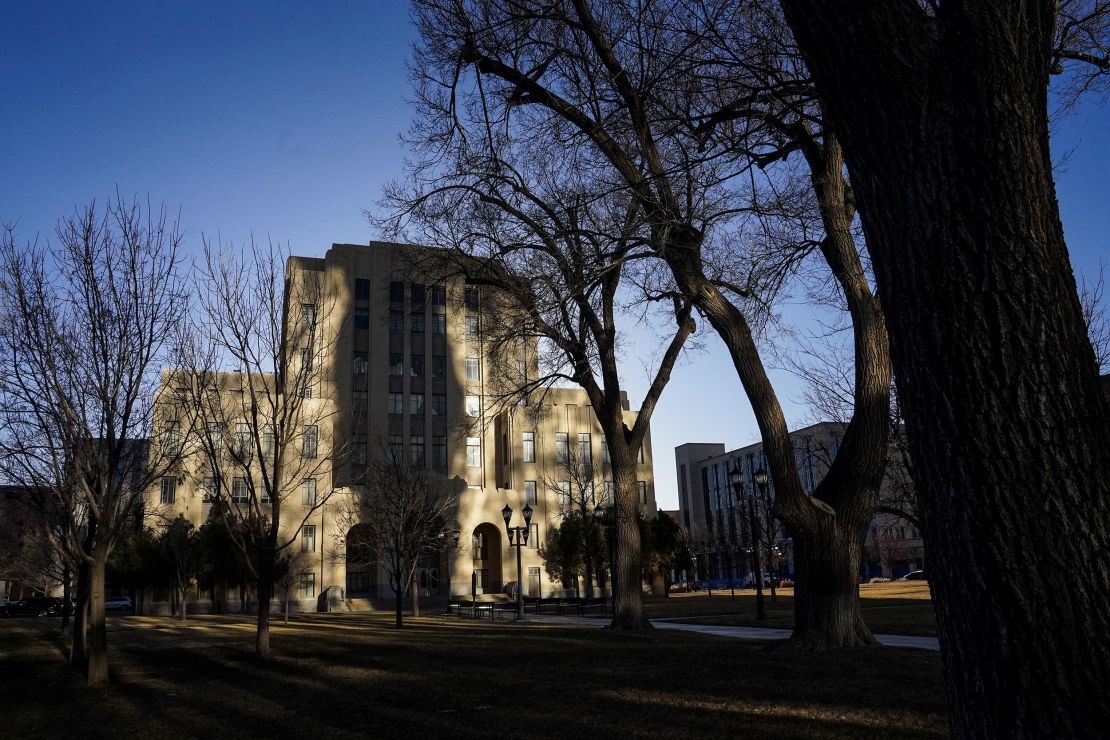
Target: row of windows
{"points": [[420, 295], [243, 441], [585, 448], [416, 449], [240, 491]]}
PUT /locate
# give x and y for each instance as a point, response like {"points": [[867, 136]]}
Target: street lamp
{"points": [[520, 540], [452, 538], [736, 476]]}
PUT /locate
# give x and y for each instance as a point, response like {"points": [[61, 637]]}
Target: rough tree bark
{"points": [[97, 629], [944, 120]]}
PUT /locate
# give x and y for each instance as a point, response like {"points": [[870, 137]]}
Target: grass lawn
{"points": [[896, 608], [342, 676]]}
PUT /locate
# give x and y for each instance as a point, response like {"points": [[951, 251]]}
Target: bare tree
{"points": [[620, 96], [996, 374], [86, 324], [1094, 318], [404, 514], [581, 491], [253, 385]]}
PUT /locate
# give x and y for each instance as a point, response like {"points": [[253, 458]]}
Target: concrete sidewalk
{"points": [[743, 633]]}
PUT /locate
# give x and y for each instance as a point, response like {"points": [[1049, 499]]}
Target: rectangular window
{"points": [[605, 451], [171, 442], [471, 326], [416, 321], [308, 315], [308, 492], [564, 493], [416, 295], [396, 447], [439, 451], [169, 489], [437, 295], [473, 406], [473, 369], [396, 321], [439, 366], [417, 369], [585, 449], [439, 404], [362, 319], [396, 403], [533, 536], [533, 582], [396, 292], [243, 440], [529, 447], [439, 323], [240, 492], [416, 404], [208, 490], [607, 493], [530, 493], [416, 449], [309, 441], [587, 491], [643, 492], [307, 585], [268, 443], [562, 447], [396, 364], [471, 298], [362, 289], [359, 364], [214, 438], [308, 538], [473, 452]]}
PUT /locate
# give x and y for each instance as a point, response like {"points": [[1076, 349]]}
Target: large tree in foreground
{"points": [[943, 112], [635, 99], [85, 325]]}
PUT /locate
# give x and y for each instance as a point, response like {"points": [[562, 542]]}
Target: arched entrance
{"points": [[362, 570], [486, 556]]}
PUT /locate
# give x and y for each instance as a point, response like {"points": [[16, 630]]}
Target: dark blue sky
{"points": [[282, 118]]}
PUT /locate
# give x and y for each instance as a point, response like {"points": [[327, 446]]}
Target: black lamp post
{"points": [[518, 538], [452, 539], [736, 476]]}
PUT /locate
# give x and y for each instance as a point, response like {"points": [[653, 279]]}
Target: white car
{"points": [[117, 602]]}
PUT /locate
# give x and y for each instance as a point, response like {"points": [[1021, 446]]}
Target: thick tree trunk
{"points": [[97, 673], [79, 651], [262, 630], [827, 611], [628, 598], [945, 129]]}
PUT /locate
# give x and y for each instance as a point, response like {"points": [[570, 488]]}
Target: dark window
{"points": [[396, 321], [416, 404], [416, 295], [439, 323], [439, 404], [417, 321], [396, 364], [360, 363], [362, 318], [416, 449], [362, 289], [438, 295], [439, 366], [471, 298], [439, 451], [418, 366], [396, 292]]}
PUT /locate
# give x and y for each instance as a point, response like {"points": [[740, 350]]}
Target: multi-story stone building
{"points": [[406, 369], [708, 508]]}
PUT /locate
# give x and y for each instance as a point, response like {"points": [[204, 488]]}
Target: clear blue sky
{"points": [[282, 118]]}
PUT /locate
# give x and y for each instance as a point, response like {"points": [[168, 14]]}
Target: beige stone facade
{"points": [[406, 369]]}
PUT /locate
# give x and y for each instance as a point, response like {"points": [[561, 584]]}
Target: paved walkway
{"points": [[743, 633]]}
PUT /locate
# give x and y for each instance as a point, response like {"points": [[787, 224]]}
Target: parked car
{"points": [[34, 606], [117, 603], [915, 575]]}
